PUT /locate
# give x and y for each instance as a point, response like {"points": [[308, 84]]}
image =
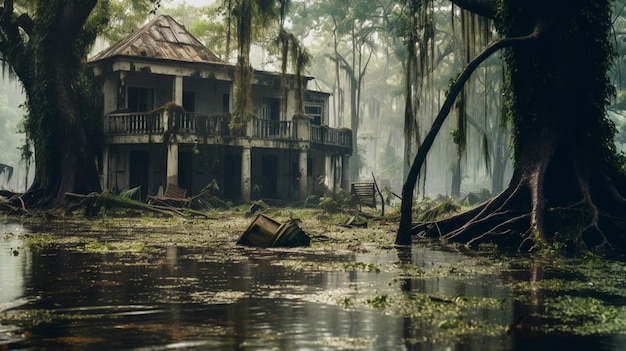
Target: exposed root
{"points": [[517, 219]]}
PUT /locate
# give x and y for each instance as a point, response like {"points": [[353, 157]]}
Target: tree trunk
{"points": [[49, 66], [566, 186]]}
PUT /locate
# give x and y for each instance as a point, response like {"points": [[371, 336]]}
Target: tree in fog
{"points": [[568, 182], [352, 26]]}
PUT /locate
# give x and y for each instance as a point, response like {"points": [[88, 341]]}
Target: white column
{"points": [[245, 173], [178, 90], [303, 184], [345, 172], [105, 168], [172, 163], [329, 173], [172, 143]]}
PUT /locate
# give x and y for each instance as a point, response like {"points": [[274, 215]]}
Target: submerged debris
{"points": [[267, 232]]}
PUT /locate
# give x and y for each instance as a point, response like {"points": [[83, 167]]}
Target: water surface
{"points": [[225, 297]]}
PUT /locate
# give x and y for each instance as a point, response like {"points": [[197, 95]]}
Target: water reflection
{"points": [[233, 298], [15, 264]]}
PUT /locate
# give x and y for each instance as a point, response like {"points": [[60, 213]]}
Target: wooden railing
{"points": [[208, 125], [154, 122], [133, 123], [268, 129], [331, 136], [217, 125]]}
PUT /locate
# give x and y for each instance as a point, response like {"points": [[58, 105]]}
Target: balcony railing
{"points": [[133, 123], [268, 129], [143, 123], [154, 122], [331, 136], [208, 125]]}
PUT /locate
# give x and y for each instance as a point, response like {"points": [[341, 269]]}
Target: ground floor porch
{"points": [[238, 173]]}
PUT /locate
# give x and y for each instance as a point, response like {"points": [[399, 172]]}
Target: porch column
{"points": [[245, 173], [345, 173], [172, 163], [329, 173], [303, 183], [178, 90], [105, 168], [121, 91]]}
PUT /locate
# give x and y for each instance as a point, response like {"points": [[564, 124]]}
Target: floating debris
{"points": [[267, 232]]}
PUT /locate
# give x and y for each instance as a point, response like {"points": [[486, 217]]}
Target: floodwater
{"points": [[233, 298]]}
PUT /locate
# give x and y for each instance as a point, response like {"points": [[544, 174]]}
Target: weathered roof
{"points": [[161, 38]]}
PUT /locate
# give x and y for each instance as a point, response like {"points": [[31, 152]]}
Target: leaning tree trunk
{"points": [[408, 188], [566, 186]]}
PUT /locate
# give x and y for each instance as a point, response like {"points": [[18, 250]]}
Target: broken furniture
{"points": [[174, 196], [267, 232], [364, 193]]}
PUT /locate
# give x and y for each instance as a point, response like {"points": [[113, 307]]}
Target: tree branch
{"points": [[26, 23], [485, 8], [403, 237]]}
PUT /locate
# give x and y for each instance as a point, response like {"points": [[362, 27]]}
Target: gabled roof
{"points": [[162, 38]]}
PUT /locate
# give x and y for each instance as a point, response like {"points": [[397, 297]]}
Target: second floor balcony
{"points": [[200, 126]]}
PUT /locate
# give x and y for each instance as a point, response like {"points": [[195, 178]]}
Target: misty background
{"points": [[480, 163]]}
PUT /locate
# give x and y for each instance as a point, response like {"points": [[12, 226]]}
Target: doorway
{"points": [[139, 171], [269, 176]]}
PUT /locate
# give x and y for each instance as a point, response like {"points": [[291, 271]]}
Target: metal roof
{"points": [[162, 38]]}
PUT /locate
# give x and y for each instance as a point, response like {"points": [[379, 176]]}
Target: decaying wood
{"points": [[94, 201]]}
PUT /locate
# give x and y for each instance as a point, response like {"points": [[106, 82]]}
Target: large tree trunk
{"points": [[566, 186], [49, 64]]}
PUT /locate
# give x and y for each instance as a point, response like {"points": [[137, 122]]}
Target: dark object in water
{"points": [[267, 232]]}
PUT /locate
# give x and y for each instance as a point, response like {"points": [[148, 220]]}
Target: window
{"points": [[140, 99], [189, 101], [226, 103], [271, 110], [315, 112]]}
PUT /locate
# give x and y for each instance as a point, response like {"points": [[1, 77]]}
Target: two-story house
{"points": [[166, 111]]}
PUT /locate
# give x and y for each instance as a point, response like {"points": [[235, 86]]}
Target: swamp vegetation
{"points": [[125, 281]]}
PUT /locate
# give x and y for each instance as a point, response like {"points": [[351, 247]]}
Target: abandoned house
{"points": [[166, 111]]}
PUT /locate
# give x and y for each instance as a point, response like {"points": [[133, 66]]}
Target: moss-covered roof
{"points": [[162, 38]]}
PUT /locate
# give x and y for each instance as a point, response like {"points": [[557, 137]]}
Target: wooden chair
{"points": [[365, 194]]}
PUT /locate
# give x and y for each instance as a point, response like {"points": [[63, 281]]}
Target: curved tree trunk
{"points": [[404, 231]]}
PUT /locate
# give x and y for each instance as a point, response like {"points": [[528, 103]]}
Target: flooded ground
{"points": [[157, 284]]}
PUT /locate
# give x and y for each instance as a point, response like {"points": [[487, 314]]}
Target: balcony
{"points": [[201, 125]]}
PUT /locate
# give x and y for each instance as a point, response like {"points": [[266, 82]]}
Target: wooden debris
{"points": [[267, 232]]}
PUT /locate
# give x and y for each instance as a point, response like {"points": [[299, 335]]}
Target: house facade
{"points": [[166, 112]]}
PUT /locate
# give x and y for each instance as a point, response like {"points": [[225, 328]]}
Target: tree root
{"points": [[514, 219]]}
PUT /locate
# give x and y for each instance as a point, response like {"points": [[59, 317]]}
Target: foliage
{"points": [[337, 202], [247, 21], [430, 210], [134, 193], [123, 17]]}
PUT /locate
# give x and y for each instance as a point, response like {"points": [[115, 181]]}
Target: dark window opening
{"points": [[315, 112], [140, 99], [225, 103], [189, 101]]}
